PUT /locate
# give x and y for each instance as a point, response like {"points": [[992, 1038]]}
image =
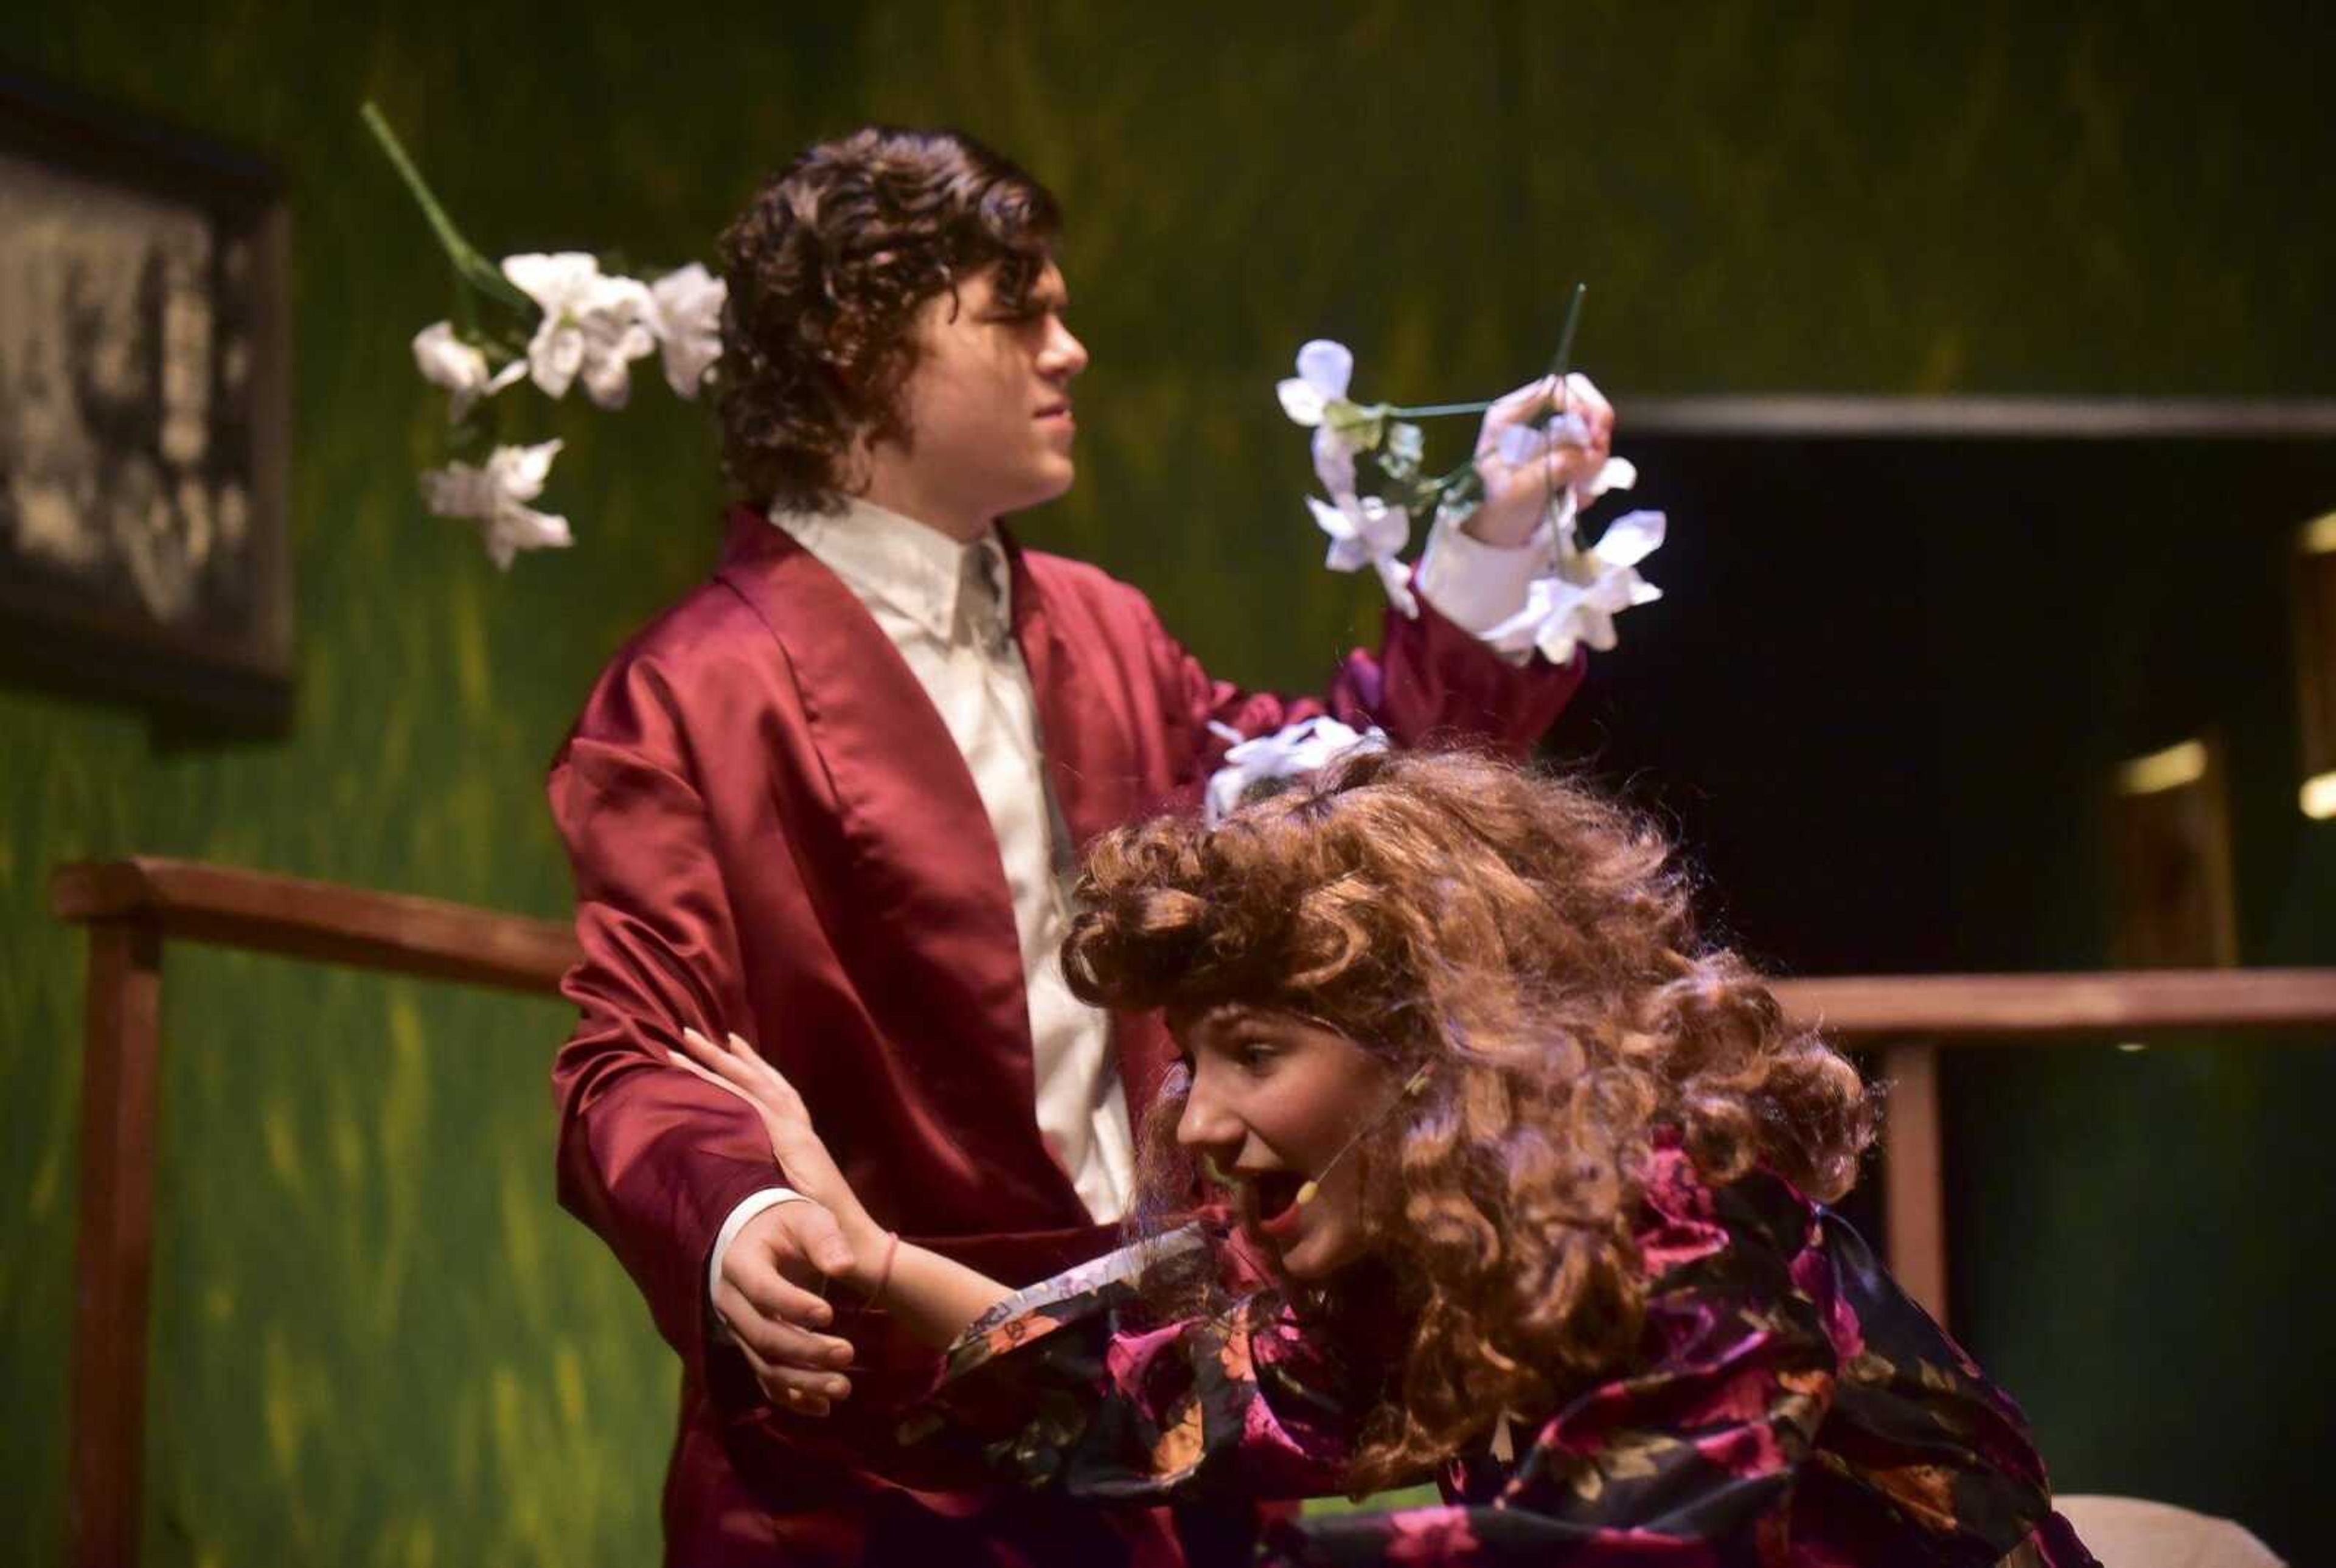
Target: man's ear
{"points": [[854, 470]]}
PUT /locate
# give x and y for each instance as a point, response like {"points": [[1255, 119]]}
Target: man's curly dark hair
{"points": [[826, 269]]}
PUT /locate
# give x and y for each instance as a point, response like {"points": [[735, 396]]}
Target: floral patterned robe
{"points": [[1790, 1406]]}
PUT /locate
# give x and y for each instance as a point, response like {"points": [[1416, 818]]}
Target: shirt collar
{"points": [[911, 566]]}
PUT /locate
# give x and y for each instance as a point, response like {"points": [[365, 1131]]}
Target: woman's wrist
{"points": [[869, 1242]]}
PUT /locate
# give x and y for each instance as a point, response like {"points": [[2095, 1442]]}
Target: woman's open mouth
{"points": [[1275, 1194]]}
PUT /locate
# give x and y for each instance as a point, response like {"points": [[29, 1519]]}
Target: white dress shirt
{"points": [[946, 606]]}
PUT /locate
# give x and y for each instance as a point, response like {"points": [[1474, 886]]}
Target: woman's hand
{"points": [[801, 1153], [930, 1296], [1519, 482]]}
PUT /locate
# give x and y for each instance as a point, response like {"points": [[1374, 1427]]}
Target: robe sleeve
{"points": [[1065, 1386], [649, 1156], [1429, 682]]}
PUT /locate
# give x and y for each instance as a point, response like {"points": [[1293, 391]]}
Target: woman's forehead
{"points": [[1215, 1019]]}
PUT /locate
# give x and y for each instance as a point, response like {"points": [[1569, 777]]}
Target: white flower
{"points": [[1578, 602], [496, 496], [1367, 531], [1616, 474], [1324, 369], [686, 315], [445, 360], [1291, 752], [593, 326], [1316, 397]]}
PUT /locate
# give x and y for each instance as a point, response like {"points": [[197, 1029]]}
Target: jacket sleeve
{"points": [[1429, 683], [649, 1156], [1069, 1387]]}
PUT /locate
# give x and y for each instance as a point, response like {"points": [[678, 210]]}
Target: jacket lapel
{"points": [[1091, 764], [1082, 732], [930, 921]]}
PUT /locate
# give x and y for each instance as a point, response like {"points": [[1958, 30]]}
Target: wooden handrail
{"points": [[263, 912], [266, 912], [1967, 1010], [133, 907]]}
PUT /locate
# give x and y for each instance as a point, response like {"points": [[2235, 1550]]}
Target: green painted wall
{"points": [[376, 1339]]}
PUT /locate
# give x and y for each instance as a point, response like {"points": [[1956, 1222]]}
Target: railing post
{"points": [[121, 1057], [1913, 1196]]}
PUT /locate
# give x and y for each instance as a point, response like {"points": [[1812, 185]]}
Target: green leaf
{"points": [[1359, 426], [1405, 444]]}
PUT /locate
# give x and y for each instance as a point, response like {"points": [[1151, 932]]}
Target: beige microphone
{"points": [[1306, 1194]]}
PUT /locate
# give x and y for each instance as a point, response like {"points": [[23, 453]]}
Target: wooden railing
{"points": [[134, 908]]}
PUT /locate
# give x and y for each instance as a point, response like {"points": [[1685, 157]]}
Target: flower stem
{"points": [[1438, 410], [1558, 369], [469, 264], [1564, 360]]}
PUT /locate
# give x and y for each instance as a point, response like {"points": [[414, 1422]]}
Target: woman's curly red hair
{"points": [[1533, 946], [826, 269]]}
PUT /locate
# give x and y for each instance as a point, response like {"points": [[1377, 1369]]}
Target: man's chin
{"points": [[1049, 487]]}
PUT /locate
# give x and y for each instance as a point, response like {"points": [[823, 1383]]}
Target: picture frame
{"points": [[145, 401]]}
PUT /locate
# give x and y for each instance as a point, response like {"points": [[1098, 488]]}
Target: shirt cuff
{"points": [[752, 1204], [1478, 586]]}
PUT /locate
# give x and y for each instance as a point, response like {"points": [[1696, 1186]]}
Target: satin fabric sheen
{"points": [[772, 832]]}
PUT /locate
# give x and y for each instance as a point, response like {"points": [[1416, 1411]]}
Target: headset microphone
{"points": [[1313, 1188]]}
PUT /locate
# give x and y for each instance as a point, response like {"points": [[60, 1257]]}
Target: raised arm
{"points": [[1434, 678]]}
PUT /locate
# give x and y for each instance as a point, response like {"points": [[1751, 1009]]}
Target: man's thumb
{"points": [[820, 1239]]}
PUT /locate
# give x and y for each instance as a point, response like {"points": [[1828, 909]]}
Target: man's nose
{"points": [[1066, 355]]}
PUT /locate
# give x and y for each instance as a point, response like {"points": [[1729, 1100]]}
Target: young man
{"points": [[832, 801]]}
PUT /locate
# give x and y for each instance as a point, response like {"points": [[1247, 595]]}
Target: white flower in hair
{"points": [[686, 315], [1291, 752], [445, 360], [496, 496], [1577, 603], [593, 326], [1367, 531], [1316, 397]]}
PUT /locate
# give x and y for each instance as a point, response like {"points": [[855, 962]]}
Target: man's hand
{"points": [[775, 1320], [1518, 486]]}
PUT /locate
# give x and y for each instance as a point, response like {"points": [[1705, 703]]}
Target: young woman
{"points": [[1522, 1189]]}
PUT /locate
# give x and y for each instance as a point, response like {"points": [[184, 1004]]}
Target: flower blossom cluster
{"points": [[1261, 763], [590, 327], [1576, 593]]}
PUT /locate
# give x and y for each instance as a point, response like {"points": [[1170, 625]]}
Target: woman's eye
{"points": [[1253, 1054]]}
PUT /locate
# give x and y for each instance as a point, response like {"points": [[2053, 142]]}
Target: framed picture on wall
{"points": [[144, 403]]}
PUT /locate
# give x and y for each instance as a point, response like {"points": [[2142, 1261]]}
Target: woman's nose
{"points": [[1205, 1123]]}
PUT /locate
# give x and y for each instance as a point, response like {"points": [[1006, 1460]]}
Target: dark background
{"points": [[1878, 703], [1882, 708]]}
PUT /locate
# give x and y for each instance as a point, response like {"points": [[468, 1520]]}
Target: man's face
{"points": [[988, 405]]}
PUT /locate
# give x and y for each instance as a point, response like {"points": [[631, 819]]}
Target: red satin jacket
{"points": [[773, 832]]}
